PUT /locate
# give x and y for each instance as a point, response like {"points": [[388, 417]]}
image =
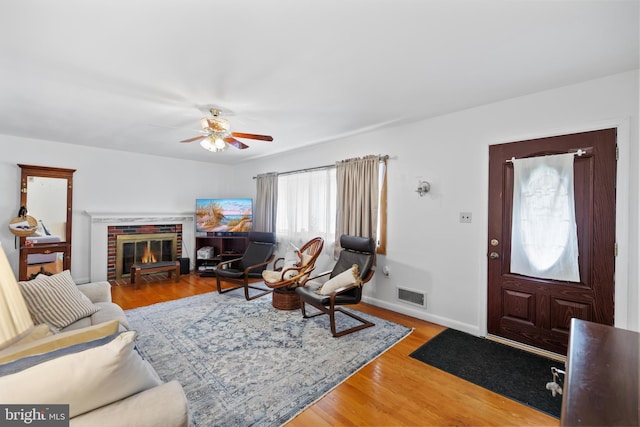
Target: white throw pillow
{"points": [[346, 278], [98, 373], [271, 276], [291, 259], [56, 300]]}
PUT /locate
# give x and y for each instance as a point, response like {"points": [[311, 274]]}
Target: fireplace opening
{"points": [[143, 249]]}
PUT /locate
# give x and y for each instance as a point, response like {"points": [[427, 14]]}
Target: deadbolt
{"points": [[494, 242], [494, 255]]}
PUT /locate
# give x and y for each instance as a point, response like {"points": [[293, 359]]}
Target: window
{"points": [[307, 207]]}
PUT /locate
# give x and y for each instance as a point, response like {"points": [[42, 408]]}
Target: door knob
{"points": [[494, 255]]}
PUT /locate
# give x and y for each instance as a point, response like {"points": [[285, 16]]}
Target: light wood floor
{"points": [[393, 390]]}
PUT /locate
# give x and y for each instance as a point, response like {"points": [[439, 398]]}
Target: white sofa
{"points": [[100, 294], [163, 405], [157, 404]]}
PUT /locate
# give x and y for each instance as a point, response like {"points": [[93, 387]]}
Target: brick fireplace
{"points": [[129, 244], [102, 222]]}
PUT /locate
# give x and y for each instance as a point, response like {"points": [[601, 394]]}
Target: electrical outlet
{"points": [[465, 217], [385, 271]]}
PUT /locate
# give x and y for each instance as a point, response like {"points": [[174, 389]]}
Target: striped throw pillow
{"points": [[56, 300]]}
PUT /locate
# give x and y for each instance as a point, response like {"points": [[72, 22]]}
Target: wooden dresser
{"points": [[601, 383]]}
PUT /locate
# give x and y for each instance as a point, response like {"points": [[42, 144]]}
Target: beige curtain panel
{"points": [[266, 202], [357, 209]]}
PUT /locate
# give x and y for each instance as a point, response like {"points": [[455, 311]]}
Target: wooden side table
{"points": [[601, 384]]}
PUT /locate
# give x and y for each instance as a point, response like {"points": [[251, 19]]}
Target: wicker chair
{"points": [[238, 271], [290, 277], [360, 251]]}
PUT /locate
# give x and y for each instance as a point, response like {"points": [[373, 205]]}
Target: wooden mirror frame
{"points": [[46, 248]]}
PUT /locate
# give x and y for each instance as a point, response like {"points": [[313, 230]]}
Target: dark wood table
{"points": [[170, 267], [601, 383]]}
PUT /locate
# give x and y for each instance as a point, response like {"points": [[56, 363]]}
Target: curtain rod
{"points": [[578, 153], [315, 168]]}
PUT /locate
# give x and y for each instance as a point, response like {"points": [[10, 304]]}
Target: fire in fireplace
{"points": [[148, 256], [143, 249]]}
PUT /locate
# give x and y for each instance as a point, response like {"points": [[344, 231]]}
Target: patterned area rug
{"points": [[244, 363]]}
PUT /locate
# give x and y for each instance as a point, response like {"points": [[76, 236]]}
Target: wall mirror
{"points": [[47, 193]]}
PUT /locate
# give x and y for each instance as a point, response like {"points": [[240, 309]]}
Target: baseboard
{"points": [[422, 315]]}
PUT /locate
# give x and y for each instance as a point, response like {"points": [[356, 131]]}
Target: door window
{"points": [[544, 240]]}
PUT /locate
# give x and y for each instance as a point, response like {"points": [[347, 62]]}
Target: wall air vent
{"points": [[414, 297]]}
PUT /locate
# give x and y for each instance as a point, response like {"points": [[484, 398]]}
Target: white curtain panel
{"points": [[306, 209], [544, 240]]}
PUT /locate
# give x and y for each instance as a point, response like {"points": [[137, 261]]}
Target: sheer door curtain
{"points": [[544, 239]]}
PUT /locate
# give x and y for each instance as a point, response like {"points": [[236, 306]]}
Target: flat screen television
{"points": [[230, 215]]}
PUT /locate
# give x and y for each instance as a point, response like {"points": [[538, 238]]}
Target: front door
{"points": [[537, 311]]}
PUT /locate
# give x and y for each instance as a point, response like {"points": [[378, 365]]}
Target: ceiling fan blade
{"points": [[252, 136], [235, 143], [195, 138]]}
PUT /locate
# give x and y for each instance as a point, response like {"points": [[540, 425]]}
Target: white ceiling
{"points": [[131, 74]]}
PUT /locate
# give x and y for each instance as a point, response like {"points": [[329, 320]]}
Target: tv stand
{"points": [[224, 248]]}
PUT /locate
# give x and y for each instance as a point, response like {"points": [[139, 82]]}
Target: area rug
{"points": [[244, 363], [511, 372]]}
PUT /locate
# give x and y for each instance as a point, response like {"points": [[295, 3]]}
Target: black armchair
{"points": [[359, 251], [238, 271]]}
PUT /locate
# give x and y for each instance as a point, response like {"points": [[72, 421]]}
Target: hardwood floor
{"points": [[393, 390]]}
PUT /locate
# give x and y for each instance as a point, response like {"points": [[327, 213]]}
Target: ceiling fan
{"points": [[217, 135]]}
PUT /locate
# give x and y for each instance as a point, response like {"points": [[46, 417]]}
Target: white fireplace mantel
{"points": [[101, 221]]}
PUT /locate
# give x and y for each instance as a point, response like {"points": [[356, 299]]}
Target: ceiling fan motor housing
{"points": [[216, 125]]}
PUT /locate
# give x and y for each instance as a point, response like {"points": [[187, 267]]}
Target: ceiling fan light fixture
{"points": [[206, 144], [213, 144], [220, 144]]}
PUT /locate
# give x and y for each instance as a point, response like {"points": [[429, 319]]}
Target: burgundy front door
{"points": [[537, 311]]}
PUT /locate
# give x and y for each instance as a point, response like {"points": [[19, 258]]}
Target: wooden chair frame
{"points": [[331, 308], [302, 271]]}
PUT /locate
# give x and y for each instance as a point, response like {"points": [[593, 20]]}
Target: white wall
{"points": [[109, 182], [428, 249]]}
